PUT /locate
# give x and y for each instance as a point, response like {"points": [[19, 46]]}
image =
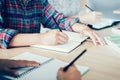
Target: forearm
{"points": [[24, 40]]}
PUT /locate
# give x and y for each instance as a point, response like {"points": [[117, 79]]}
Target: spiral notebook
{"points": [[46, 71]]}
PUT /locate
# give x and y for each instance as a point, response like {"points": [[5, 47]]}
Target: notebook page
{"points": [[67, 47], [49, 71], [31, 57], [75, 36]]}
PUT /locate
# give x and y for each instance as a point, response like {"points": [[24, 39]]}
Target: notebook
{"points": [[113, 42], [46, 71], [74, 41], [104, 23]]}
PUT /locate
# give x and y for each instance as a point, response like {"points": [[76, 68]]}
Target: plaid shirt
{"points": [[19, 17]]}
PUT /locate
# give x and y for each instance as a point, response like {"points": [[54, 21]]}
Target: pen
{"points": [[72, 62], [89, 8], [57, 24]]}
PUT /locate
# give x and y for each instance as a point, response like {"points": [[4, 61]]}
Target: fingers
{"points": [[99, 40], [63, 38], [60, 71], [29, 63], [95, 38], [11, 65], [71, 74], [70, 69], [55, 37], [24, 63], [10, 72]]}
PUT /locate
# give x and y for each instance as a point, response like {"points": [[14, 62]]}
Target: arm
{"points": [[11, 38], [53, 37], [49, 13], [67, 23], [5, 34]]}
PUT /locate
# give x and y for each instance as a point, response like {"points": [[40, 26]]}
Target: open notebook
{"points": [[74, 41], [46, 71], [104, 23]]}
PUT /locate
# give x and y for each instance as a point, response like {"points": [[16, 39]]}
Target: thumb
{"points": [[11, 72]]}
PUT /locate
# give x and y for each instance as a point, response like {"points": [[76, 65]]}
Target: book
{"points": [[46, 71], [104, 23], [113, 42], [74, 41]]}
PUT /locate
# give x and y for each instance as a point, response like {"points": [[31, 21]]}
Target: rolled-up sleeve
{"points": [[6, 35]]}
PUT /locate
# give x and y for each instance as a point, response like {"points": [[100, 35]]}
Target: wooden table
{"points": [[103, 61]]}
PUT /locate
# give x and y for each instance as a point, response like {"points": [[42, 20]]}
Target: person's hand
{"points": [[53, 37], [6, 66], [90, 17], [86, 31], [71, 74]]}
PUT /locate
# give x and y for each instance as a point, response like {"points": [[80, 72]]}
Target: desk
{"points": [[103, 61]]}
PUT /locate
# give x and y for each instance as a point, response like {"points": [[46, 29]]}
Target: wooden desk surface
{"points": [[103, 61]]}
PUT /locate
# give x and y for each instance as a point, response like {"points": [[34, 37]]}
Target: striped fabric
{"points": [[19, 17]]}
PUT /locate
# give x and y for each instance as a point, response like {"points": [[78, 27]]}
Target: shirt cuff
{"points": [[75, 20], [6, 37]]}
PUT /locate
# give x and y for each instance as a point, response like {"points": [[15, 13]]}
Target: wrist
{"points": [[77, 27]]}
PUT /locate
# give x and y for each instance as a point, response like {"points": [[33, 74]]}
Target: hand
{"points": [[6, 65], [90, 18], [86, 31], [71, 74], [53, 37]]}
